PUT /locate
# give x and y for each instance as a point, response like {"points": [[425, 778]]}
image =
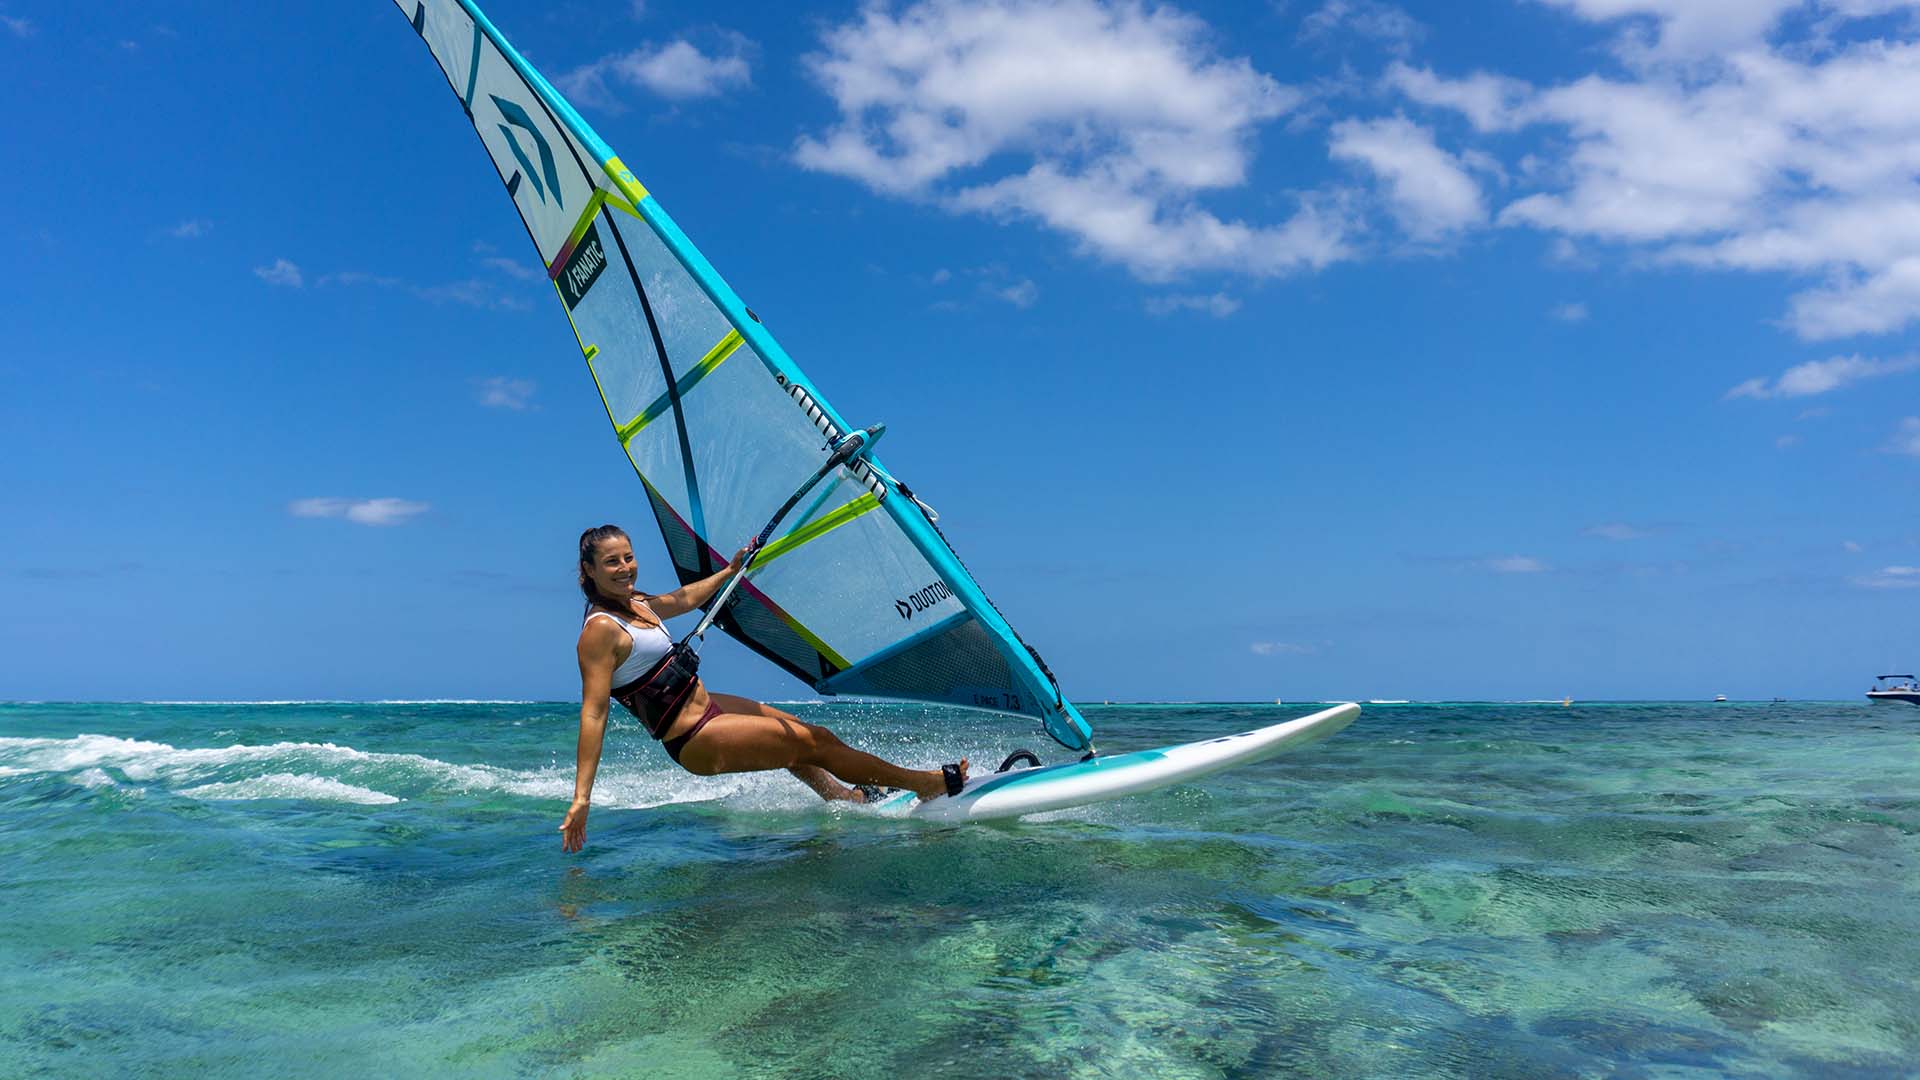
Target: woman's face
{"points": [[612, 567]]}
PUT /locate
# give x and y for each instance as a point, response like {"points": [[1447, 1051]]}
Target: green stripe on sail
{"points": [[814, 529], [714, 358]]}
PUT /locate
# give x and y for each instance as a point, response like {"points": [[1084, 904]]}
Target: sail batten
{"points": [[718, 441]]}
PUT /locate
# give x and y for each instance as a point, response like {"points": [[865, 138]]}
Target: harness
{"points": [[659, 692]]}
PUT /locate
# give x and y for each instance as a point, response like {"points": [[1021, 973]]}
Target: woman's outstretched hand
{"points": [[573, 831], [739, 559]]}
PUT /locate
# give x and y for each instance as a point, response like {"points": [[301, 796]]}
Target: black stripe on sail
{"points": [[673, 386], [679, 419], [513, 188], [420, 19]]}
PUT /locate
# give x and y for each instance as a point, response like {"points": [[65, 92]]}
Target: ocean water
{"points": [[1472, 890]]}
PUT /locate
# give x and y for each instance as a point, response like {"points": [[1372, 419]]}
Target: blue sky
{"points": [[1306, 350]]}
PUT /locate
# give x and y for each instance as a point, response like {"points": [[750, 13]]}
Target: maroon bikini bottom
{"points": [[674, 745]]}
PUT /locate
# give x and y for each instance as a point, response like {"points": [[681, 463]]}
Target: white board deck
{"points": [[1053, 787]]}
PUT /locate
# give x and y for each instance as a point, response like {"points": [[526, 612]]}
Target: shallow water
{"points": [[1441, 890]]}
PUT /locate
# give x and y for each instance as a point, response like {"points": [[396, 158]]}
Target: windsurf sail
{"points": [[857, 592]]}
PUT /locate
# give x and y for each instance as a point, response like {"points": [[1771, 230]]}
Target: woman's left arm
{"points": [[690, 596]]}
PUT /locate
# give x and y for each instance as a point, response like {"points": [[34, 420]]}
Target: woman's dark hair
{"points": [[589, 550]]}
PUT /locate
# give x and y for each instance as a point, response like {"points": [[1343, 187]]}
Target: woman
{"points": [[707, 734]]}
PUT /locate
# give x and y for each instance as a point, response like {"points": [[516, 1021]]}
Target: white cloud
{"points": [[1685, 28], [20, 27], [1133, 228], [1906, 438], [1891, 577], [359, 277], [1218, 305], [1786, 442], [1822, 376], [1570, 312], [1489, 102], [1617, 530], [501, 392], [513, 268], [281, 272], [1393, 28], [1280, 648], [1873, 303], [1112, 118], [678, 71], [1427, 189], [191, 229], [1797, 158], [1021, 294], [1852, 547], [472, 292], [1515, 564], [469, 293], [386, 511]]}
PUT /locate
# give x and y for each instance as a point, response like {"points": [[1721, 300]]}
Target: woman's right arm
{"points": [[597, 661]]}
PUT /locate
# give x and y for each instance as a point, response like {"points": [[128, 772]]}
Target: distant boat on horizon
{"points": [[1719, 697], [1884, 689]]}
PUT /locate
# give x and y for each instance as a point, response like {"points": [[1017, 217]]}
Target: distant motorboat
{"points": [[1719, 697], [1885, 688]]}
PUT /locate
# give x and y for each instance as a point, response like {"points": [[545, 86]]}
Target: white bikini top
{"points": [[650, 643]]}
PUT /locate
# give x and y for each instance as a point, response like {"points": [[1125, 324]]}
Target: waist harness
{"points": [[655, 696]]}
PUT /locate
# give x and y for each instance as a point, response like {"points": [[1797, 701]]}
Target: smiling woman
{"points": [[627, 655]]}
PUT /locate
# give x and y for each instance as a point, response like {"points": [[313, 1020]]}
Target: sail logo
{"points": [[922, 600], [582, 267], [518, 117]]}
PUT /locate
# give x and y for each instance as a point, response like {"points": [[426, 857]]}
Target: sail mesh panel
{"points": [[960, 665], [770, 636]]}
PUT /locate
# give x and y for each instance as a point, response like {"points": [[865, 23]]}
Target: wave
{"points": [[354, 701], [328, 772], [291, 786]]}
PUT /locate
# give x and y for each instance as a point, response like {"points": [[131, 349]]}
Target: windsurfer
{"points": [[623, 643]]}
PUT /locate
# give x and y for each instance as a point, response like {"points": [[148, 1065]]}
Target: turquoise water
{"points": [[1450, 890]]}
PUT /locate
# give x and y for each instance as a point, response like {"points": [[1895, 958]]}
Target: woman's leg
{"points": [[823, 782], [748, 736]]}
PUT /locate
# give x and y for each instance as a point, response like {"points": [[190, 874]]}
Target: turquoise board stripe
{"points": [[1071, 768], [902, 645], [1065, 725]]}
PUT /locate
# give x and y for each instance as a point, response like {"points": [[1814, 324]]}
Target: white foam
{"points": [[344, 701], [295, 701], [94, 778], [445, 701], [292, 786], [329, 771]]}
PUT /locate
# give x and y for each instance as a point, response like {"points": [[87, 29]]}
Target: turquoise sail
{"points": [[858, 593]]}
